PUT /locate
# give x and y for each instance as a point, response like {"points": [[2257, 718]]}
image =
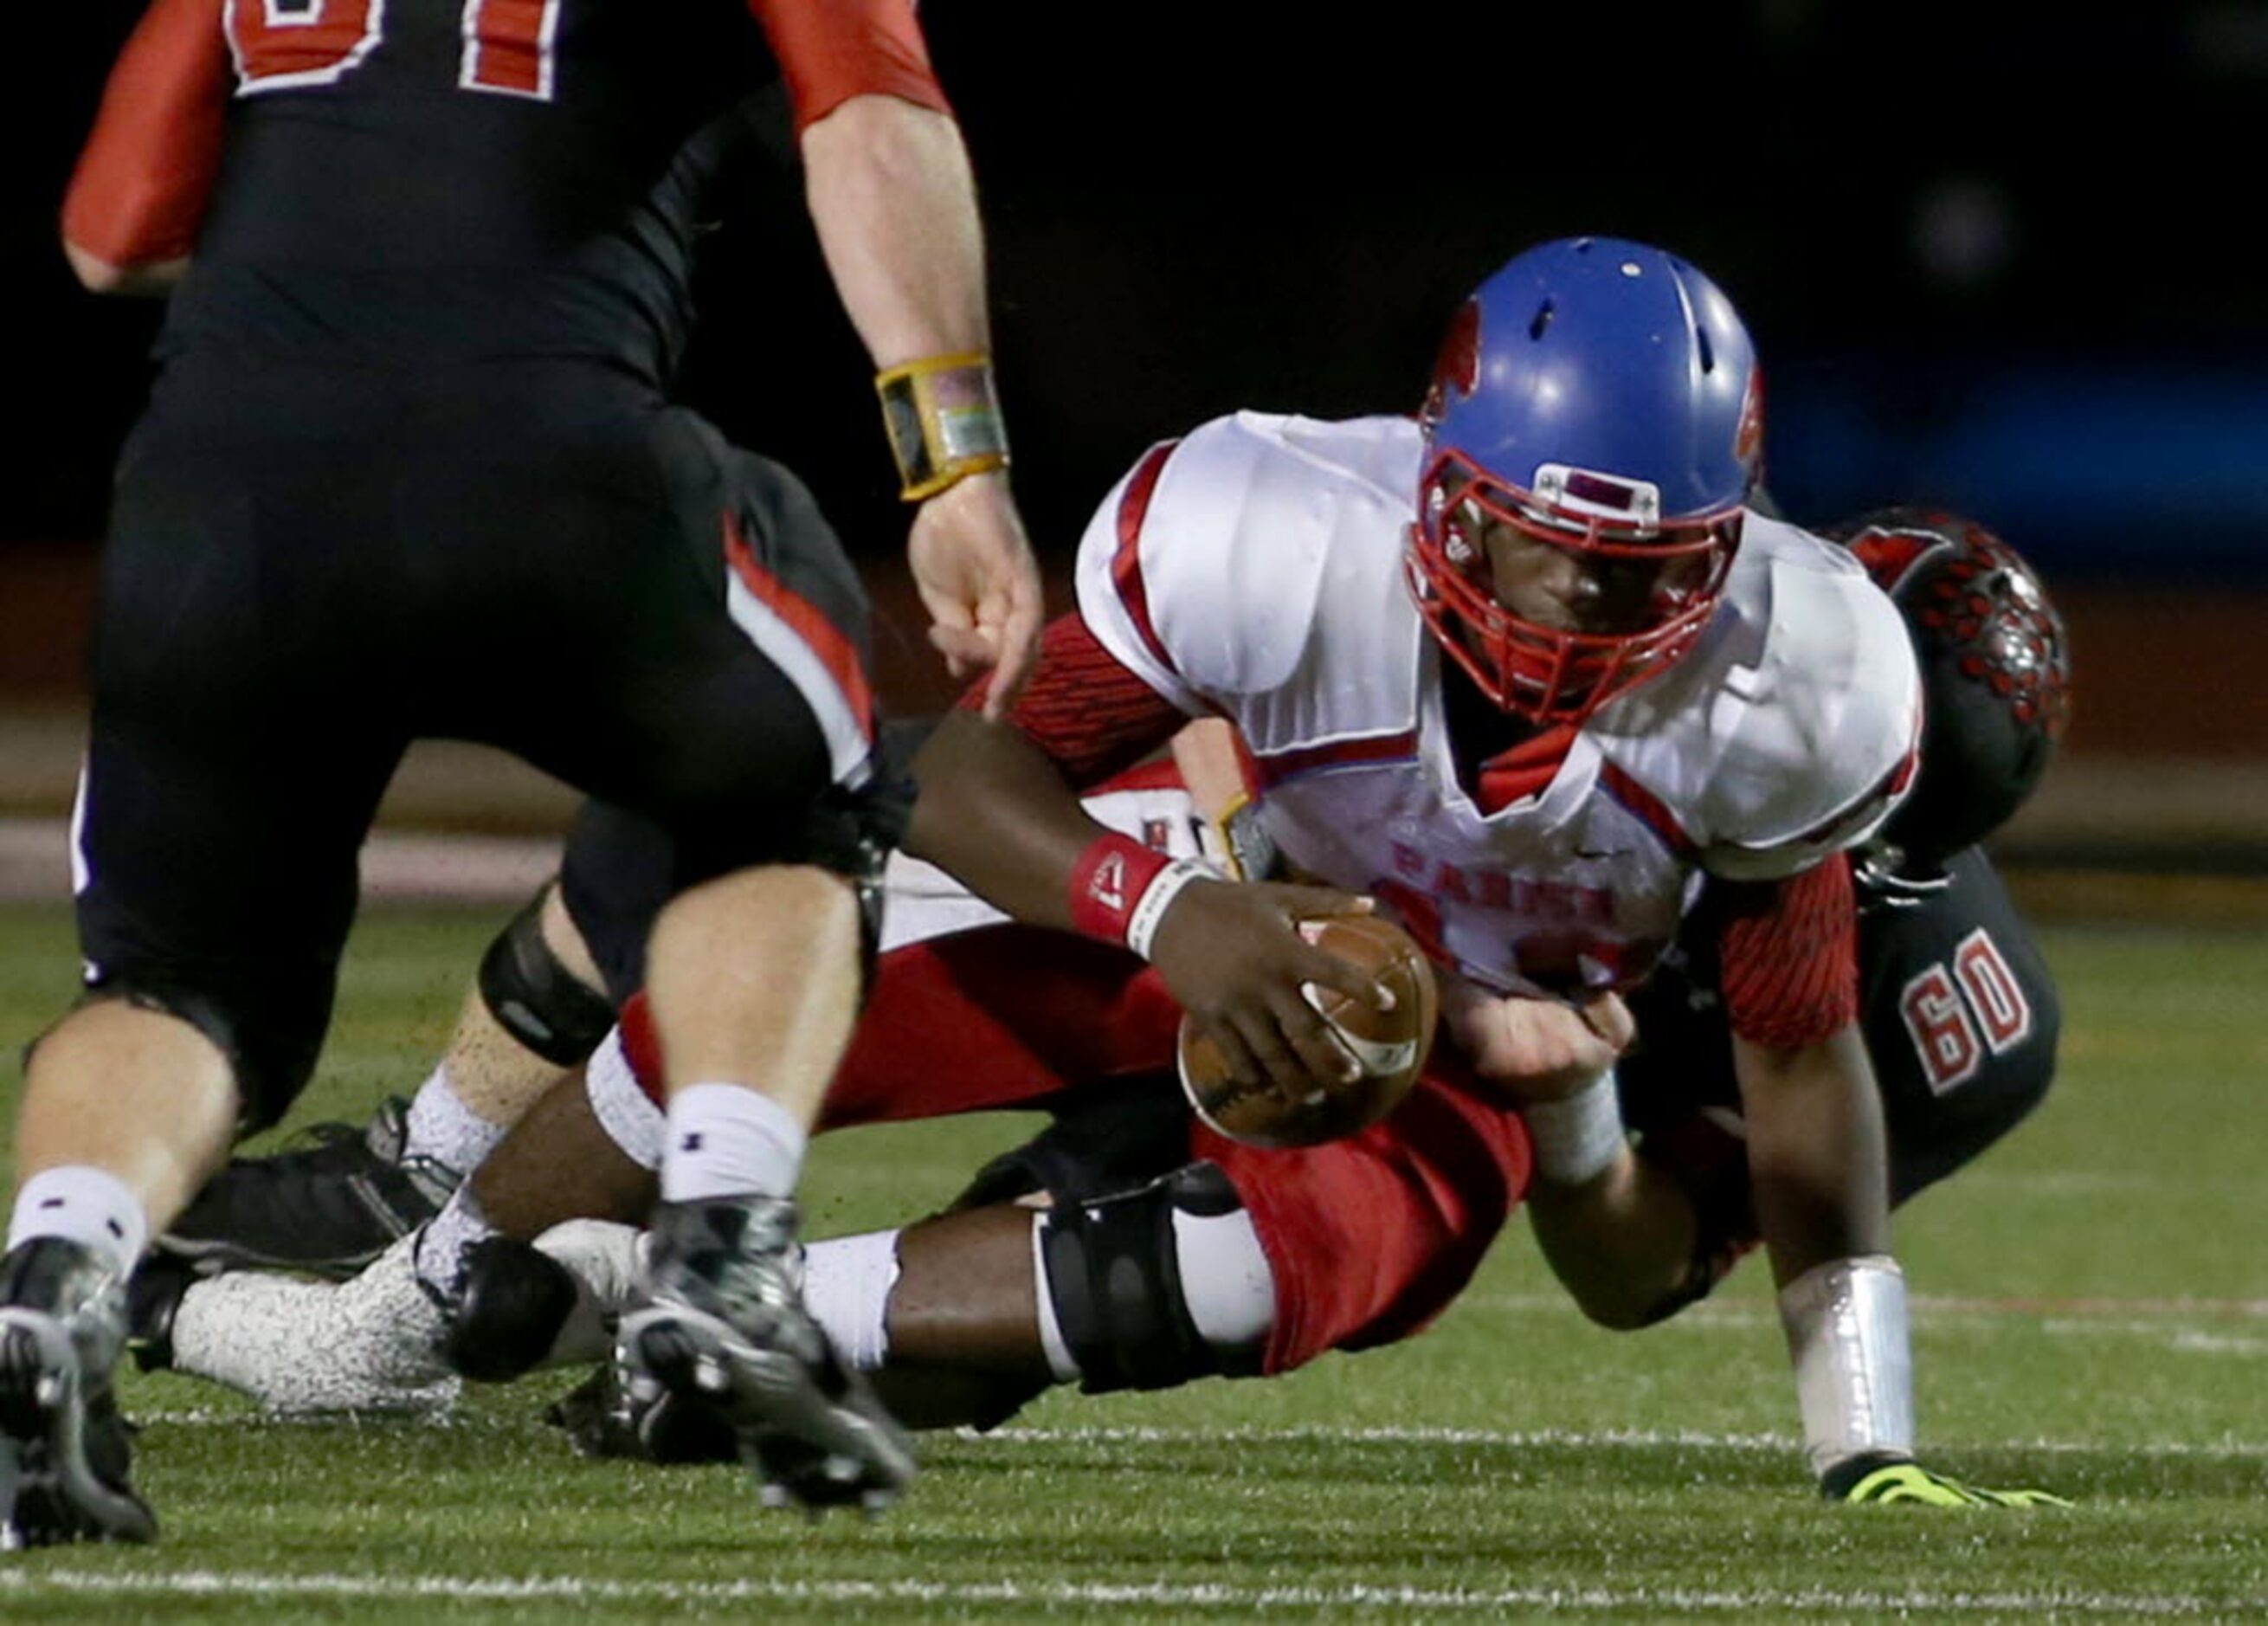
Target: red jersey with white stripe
{"points": [[1254, 571]]}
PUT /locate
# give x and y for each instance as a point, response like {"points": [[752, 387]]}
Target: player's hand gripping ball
{"points": [[1389, 1046]]}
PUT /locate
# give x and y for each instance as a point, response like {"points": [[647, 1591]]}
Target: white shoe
{"points": [[368, 1344]]}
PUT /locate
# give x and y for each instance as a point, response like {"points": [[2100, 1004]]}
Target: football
{"points": [[1391, 1045]]}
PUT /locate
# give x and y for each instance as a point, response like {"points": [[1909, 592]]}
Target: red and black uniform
{"points": [[1961, 1019], [409, 467]]}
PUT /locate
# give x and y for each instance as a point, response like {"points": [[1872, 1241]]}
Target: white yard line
{"points": [[1100, 1594], [1641, 1439], [1732, 1310], [1644, 1439]]}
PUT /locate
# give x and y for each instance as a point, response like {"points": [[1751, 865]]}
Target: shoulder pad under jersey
{"points": [[1789, 732], [1202, 571], [1827, 745]]}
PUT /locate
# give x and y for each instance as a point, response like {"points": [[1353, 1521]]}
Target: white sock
{"points": [[85, 1205], [623, 1109], [441, 1127], [368, 1344], [439, 1257], [846, 1287], [728, 1141]]}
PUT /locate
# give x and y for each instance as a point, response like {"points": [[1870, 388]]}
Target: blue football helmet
{"points": [[1603, 397]]}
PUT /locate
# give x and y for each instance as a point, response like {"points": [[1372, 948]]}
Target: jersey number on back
{"points": [[1956, 1014], [288, 44]]}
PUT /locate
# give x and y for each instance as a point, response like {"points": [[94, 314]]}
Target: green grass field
{"points": [[2092, 1315]]}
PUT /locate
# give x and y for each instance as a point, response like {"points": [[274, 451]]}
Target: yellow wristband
{"points": [[944, 421]]}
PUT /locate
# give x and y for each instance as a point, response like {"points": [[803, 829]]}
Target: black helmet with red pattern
{"points": [[1996, 681]]}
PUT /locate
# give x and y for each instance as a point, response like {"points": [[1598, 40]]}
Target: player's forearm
{"points": [[1819, 1176], [894, 205], [1817, 1156], [1622, 1243], [996, 814]]}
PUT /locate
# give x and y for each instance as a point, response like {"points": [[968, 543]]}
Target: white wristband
{"points": [[1149, 908], [1846, 1322], [1578, 1137]]}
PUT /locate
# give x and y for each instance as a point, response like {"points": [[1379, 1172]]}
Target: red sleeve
{"points": [[831, 50], [1790, 959], [1090, 715], [147, 169]]}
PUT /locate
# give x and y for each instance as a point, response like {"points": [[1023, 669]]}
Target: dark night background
{"points": [[1995, 256]]}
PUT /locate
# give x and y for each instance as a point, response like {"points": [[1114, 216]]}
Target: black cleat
{"points": [[64, 1450], [727, 1332], [153, 1297], [328, 1209]]}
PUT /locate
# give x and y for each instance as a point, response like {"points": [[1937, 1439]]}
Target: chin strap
{"points": [[1886, 876]]}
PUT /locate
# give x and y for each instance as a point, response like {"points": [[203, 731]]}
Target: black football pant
{"points": [[309, 567]]}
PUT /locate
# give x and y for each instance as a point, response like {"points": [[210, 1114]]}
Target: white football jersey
{"points": [[1254, 571]]}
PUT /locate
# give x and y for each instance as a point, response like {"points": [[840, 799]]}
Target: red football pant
{"points": [[1369, 1239]]}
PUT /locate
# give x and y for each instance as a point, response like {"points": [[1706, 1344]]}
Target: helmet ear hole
{"points": [[1540, 321]]}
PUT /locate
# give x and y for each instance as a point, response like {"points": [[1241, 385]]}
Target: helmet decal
{"points": [[1749, 436], [1978, 597], [1458, 367], [1996, 677], [1888, 552]]}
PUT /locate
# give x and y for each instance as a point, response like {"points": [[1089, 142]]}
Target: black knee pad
{"points": [[537, 1000], [1115, 1277]]}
